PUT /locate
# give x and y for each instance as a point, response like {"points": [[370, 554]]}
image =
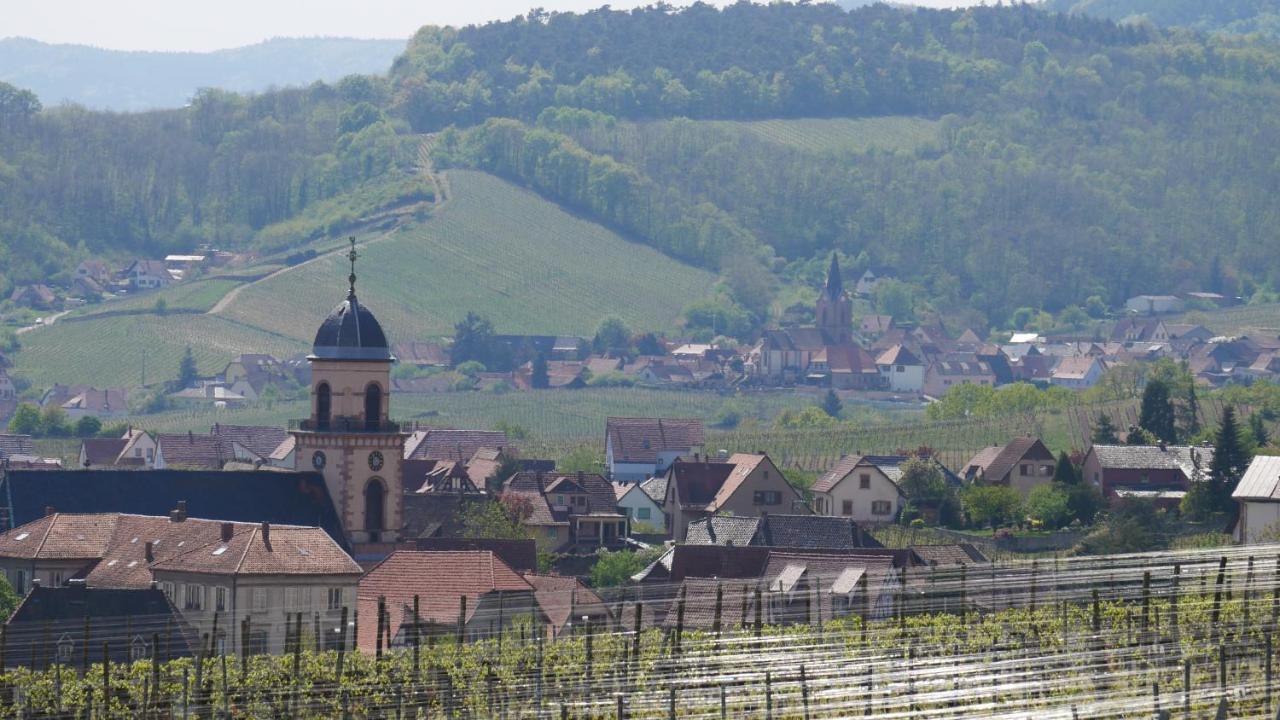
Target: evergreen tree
{"points": [[1191, 412], [1065, 472], [539, 379], [831, 404], [1104, 432], [1157, 416], [187, 372], [1258, 429], [472, 340], [1230, 460]]}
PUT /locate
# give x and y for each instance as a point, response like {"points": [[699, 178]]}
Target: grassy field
{"points": [[195, 295], [836, 135], [113, 351], [495, 249], [554, 417]]}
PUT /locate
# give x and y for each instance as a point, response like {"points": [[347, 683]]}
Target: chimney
{"points": [[179, 514], [49, 510], [227, 530], [149, 551], [266, 534], [1162, 446], [191, 437]]}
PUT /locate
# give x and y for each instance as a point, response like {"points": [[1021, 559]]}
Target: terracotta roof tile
{"points": [[639, 440], [444, 444]]}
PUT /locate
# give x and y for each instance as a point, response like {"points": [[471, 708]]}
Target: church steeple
{"points": [[835, 309], [834, 288], [350, 438]]}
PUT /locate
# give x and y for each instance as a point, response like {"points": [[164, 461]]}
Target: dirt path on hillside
{"points": [[44, 322], [442, 192]]}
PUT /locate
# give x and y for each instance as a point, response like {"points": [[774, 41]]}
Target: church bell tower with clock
{"points": [[350, 438]]}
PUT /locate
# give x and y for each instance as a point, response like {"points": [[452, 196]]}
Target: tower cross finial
{"points": [[353, 256]]}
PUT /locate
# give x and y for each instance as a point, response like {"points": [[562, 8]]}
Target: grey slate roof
{"points": [[814, 531], [1261, 481], [59, 614], [655, 488], [723, 530], [261, 440], [351, 332], [1153, 457], [781, 531]]}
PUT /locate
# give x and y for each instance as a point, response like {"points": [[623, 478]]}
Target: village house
{"points": [[250, 374], [870, 280], [796, 586], [102, 404], [473, 587], [237, 570], [134, 449], [900, 370], [863, 488], [568, 510], [1078, 373], [1258, 498], [747, 484], [422, 355], [36, 297], [53, 620], [192, 451], [451, 444], [813, 532], [946, 374], [96, 270], [642, 502], [148, 274], [1023, 463], [1139, 329], [1154, 304], [636, 449], [1162, 473]]}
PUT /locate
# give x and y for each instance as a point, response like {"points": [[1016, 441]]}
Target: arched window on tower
{"points": [[372, 406], [324, 402], [374, 508]]}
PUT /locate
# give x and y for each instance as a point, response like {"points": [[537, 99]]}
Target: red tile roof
{"points": [[114, 547], [439, 579], [639, 440]]}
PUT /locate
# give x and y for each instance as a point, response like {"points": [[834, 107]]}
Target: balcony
{"points": [[345, 424]]}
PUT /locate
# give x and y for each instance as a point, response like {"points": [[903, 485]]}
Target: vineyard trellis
{"points": [[1189, 633]]}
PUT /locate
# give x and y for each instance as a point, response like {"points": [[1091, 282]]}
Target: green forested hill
{"points": [[132, 81], [1003, 160], [1233, 16]]}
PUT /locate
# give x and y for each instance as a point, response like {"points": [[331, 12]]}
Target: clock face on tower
{"points": [[375, 461], [317, 460]]}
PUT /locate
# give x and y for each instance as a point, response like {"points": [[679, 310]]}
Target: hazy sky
{"points": [[214, 24]]}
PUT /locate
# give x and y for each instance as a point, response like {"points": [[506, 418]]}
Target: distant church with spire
{"points": [[349, 437], [822, 354]]}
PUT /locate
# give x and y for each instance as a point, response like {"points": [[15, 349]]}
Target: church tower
{"points": [[835, 310], [349, 437]]}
